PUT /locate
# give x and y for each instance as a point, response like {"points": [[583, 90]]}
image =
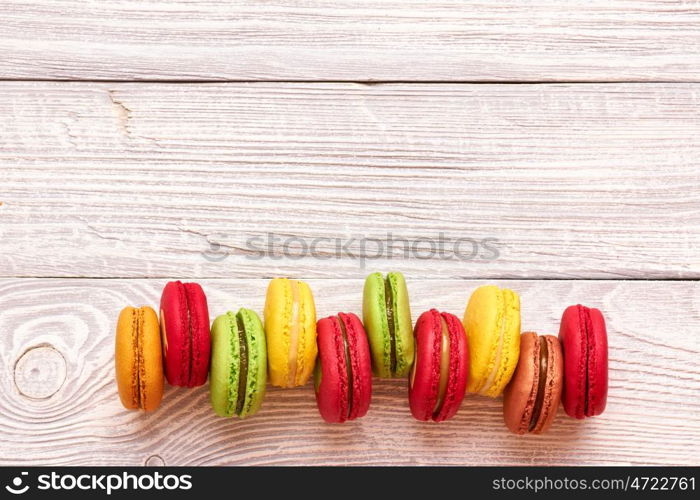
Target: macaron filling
{"points": [[190, 334], [541, 384], [294, 333], [243, 363], [348, 364], [137, 333], [318, 374], [233, 372], [444, 367], [588, 339], [238, 369], [391, 314]]}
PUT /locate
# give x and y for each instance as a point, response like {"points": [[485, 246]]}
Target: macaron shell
{"points": [[152, 380], [201, 337], [597, 364], [278, 307], [491, 312], [308, 349], [332, 392], [174, 330], [126, 359], [256, 379], [519, 396], [423, 384], [375, 320], [481, 322], [574, 345], [403, 331], [138, 359], [222, 359], [361, 363], [510, 350], [459, 368], [278, 317]]}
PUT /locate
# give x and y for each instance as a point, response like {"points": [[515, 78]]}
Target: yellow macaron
{"points": [[492, 323], [290, 330]]}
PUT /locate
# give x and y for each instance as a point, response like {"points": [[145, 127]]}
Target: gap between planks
{"points": [[369, 83], [397, 268]]}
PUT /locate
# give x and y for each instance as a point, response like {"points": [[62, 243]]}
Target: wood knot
{"points": [[40, 372], [155, 461]]}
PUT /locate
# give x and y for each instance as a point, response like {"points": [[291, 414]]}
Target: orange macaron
{"points": [[139, 359]]}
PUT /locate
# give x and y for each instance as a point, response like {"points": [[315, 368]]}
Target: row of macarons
{"points": [[442, 357]]}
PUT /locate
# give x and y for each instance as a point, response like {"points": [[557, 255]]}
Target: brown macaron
{"points": [[531, 399]]}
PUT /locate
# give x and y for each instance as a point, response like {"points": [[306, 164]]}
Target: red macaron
{"points": [[441, 367], [184, 323], [584, 341], [343, 376]]}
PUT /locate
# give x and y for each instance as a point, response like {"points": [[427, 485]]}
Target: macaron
{"points": [[439, 376], [584, 340], [492, 323], [238, 364], [290, 329], [184, 322], [343, 375], [387, 318], [139, 359], [531, 399]]}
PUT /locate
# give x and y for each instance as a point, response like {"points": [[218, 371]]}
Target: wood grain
{"points": [[144, 180], [652, 416], [152, 180], [365, 40]]}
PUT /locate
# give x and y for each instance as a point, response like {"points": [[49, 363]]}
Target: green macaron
{"points": [[387, 318], [238, 364]]}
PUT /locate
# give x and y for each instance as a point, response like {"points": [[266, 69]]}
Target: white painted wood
{"points": [[653, 413], [389, 40], [139, 180]]}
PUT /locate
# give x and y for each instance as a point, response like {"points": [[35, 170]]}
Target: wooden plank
{"points": [[365, 40], [653, 409], [140, 180]]}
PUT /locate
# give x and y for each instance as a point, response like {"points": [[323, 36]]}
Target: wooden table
{"points": [[147, 141]]}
